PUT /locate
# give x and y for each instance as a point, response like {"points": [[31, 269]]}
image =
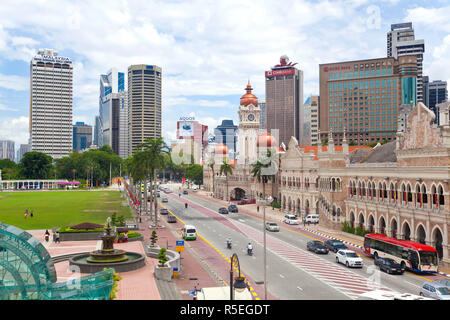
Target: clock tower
{"points": [[248, 130]]}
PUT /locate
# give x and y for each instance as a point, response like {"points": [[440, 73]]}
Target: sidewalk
{"points": [[277, 215]]}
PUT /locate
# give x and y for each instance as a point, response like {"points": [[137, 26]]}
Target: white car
{"points": [[312, 218], [349, 258], [272, 226], [291, 219], [164, 199]]}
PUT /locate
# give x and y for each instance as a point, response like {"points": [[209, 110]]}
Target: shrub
{"points": [[69, 230], [131, 235], [153, 238], [348, 228], [162, 258], [276, 204], [116, 279]]}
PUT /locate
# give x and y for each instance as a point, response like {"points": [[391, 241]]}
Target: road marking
{"points": [[241, 220], [299, 288], [415, 285], [282, 276]]}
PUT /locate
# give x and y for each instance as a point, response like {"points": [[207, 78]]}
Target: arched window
{"points": [[385, 195], [424, 195], [418, 197], [441, 196], [363, 186], [380, 191], [409, 194], [393, 193], [359, 189], [374, 191], [434, 196]]}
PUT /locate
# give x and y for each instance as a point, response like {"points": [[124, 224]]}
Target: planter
{"points": [[80, 236], [163, 273]]}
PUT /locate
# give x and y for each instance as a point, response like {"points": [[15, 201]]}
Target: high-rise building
{"points": [[401, 41], [226, 133], [112, 107], [314, 118], [144, 103], [97, 136], [194, 135], [263, 118], [284, 101], [7, 150], [363, 97], [82, 136], [435, 92], [51, 103], [24, 148], [307, 122]]}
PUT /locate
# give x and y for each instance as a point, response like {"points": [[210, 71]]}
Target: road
{"points": [[292, 271]]}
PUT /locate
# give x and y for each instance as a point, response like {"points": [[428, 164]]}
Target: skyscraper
{"points": [[314, 120], [113, 112], [363, 97], [7, 150], [435, 92], [401, 41], [82, 136], [97, 136], [51, 103], [263, 118], [284, 101], [226, 133], [144, 103], [24, 148]]}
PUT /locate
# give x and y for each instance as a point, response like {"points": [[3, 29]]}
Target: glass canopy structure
{"points": [[28, 273]]}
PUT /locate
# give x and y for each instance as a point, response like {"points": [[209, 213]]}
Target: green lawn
{"points": [[60, 208]]}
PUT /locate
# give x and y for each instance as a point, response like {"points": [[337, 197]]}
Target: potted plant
{"points": [[162, 257], [153, 239], [162, 271]]}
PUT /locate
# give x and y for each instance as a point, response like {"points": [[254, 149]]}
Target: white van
{"points": [[312, 218], [291, 219], [189, 232]]}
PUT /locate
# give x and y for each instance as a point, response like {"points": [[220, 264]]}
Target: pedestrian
{"points": [[47, 235], [125, 236], [140, 220], [31, 214], [57, 237], [257, 208], [26, 214]]}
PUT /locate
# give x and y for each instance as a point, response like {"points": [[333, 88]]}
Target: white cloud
{"points": [[14, 82], [15, 129], [5, 108]]}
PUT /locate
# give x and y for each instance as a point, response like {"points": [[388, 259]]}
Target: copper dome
{"points": [[265, 140], [220, 149], [249, 97]]}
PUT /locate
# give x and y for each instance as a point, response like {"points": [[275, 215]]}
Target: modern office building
{"points": [[314, 120], [263, 118], [307, 122], [124, 132], [401, 41], [284, 101], [226, 133], [111, 102], [82, 136], [24, 148], [435, 92], [51, 84], [144, 103], [363, 97], [195, 135], [7, 150]]}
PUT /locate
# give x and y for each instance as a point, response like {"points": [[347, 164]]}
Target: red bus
{"points": [[411, 255]]}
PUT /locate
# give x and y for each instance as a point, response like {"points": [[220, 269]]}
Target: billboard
{"points": [[280, 72], [185, 129]]}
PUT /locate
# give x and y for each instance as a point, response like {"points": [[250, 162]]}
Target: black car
{"points": [[317, 247], [388, 265], [335, 245], [163, 211], [171, 219], [232, 208], [223, 210], [185, 192]]}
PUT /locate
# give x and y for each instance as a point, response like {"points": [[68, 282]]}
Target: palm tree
{"points": [[226, 169], [137, 169], [74, 171], [211, 165]]}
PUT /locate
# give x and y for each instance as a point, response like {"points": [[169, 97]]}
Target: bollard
{"points": [[175, 272]]}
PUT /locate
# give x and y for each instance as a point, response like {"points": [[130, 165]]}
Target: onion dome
{"points": [[220, 149], [249, 97], [265, 140]]}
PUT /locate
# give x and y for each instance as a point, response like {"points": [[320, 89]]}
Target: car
{"points": [[316, 246], [171, 219], [232, 208], [443, 282], [185, 192], [435, 291], [388, 265], [349, 258], [291, 219], [158, 194], [272, 226], [223, 210], [165, 199], [335, 245], [163, 211], [195, 190], [312, 218]]}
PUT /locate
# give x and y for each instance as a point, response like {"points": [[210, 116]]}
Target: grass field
{"points": [[60, 208]]}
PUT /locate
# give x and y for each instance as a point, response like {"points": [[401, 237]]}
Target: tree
{"points": [[211, 165], [325, 142], [35, 165], [153, 238], [195, 173], [226, 169], [352, 143], [162, 258]]}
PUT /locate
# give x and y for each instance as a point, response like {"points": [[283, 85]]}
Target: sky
{"points": [[208, 50]]}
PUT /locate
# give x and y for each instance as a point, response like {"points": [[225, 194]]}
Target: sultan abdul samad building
{"points": [[400, 188]]}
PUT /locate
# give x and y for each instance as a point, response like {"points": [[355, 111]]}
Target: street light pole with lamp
{"points": [[239, 284]]}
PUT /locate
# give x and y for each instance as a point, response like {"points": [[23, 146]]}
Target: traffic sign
{"points": [[179, 246]]}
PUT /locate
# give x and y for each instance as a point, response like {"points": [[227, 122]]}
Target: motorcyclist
{"points": [[249, 248], [185, 205], [229, 243]]}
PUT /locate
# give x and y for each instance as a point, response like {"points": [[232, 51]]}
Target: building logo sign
{"points": [[281, 72], [338, 68], [53, 59], [186, 129], [187, 118]]}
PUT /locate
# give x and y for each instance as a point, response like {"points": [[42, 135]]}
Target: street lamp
{"points": [[269, 199], [239, 283]]}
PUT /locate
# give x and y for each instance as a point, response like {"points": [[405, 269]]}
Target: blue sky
{"points": [[207, 49]]}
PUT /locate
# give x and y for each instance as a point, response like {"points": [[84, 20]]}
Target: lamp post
{"points": [[239, 284], [270, 199]]}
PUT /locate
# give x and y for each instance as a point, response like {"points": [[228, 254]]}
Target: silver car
{"points": [[435, 291]]}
